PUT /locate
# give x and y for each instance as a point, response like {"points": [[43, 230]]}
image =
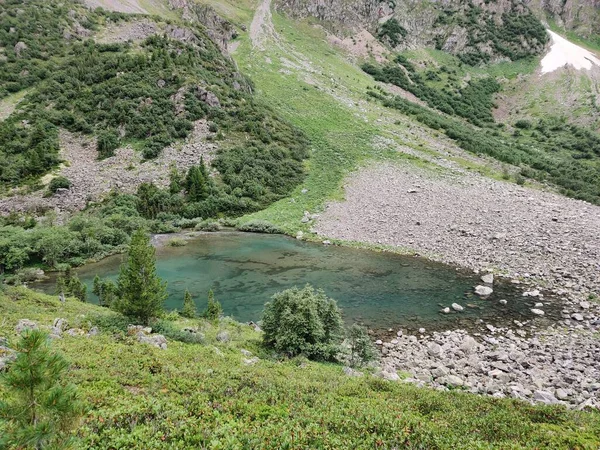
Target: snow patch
{"points": [[563, 53]]}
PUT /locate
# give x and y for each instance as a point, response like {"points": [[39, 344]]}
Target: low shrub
{"points": [[259, 226]]}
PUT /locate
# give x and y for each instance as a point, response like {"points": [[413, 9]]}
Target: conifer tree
{"points": [[197, 182], [189, 307], [39, 409], [213, 309], [141, 292]]}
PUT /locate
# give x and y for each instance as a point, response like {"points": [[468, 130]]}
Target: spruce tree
{"points": [[141, 292], [39, 409], [197, 183], [213, 309], [189, 307]]}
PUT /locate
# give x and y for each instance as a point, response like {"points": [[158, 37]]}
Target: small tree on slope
{"points": [[39, 408], [141, 292], [189, 307]]}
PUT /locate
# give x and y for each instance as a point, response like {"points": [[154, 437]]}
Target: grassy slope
{"points": [[324, 95], [195, 395]]}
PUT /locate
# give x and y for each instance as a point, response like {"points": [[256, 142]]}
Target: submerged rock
{"points": [[483, 291]]}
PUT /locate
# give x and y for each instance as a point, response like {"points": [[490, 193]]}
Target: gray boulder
{"points": [[483, 291], [545, 397], [25, 324], [223, 336]]}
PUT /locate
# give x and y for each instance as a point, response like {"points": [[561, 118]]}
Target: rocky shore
{"points": [[540, 240]]}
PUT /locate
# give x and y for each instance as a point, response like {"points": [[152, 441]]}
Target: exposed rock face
{"points": [[342, 17], [455, 26], [218, 29], [580, 16]]}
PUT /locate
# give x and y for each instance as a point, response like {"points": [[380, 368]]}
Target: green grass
{"points": [[327, 102], [204, 396]]}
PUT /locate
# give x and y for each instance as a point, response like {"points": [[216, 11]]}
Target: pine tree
{"points": [[105, 290], [70, 284], [189, 307], [141, 292], [175, 181], [197, 182], [39, 408], [213, 310]]}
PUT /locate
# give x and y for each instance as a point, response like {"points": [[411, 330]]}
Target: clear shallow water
{"points": [[381, 290]]}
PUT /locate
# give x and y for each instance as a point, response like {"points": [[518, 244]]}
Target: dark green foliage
{"points": [[569, 157], [105, 290], [151, 95], [108, 142], [58, 183], [391, 32], [260, 226], [189, 307], [214, 310], [141, 292], [70, 285], [171, 331], [473, 102], [362, 349], [175, 181], [303, 322], [519, 35], [197, 183], [40, 408], [523, 124]]}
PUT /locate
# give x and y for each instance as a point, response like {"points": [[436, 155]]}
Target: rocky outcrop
{"points": [[580, 16], [221, 31], [488, 30], [342, 17]]}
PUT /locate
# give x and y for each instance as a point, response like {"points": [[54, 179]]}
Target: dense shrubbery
{"points": [[151, 97], [303, 322], [391, 32], [562, 154], [58, 183], [473, 102], [519, 35]]}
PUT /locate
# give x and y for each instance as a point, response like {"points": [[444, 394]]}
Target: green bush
{"points": [[107, 143], [303, 322], [40, 408], [58, 183], [259, 226], [362, 349]]}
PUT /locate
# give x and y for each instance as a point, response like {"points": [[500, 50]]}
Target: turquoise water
{"points": [[380, 290]]}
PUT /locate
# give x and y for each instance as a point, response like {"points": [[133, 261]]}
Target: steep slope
{"points": [[476, 31], [134, 83]]}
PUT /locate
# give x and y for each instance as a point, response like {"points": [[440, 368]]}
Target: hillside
{"points": [[460, 131], [229, 393]]}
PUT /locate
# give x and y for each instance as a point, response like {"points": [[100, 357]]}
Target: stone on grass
{"points": [[25, 324], [223, 336], [349, 371], [457, 307]]}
